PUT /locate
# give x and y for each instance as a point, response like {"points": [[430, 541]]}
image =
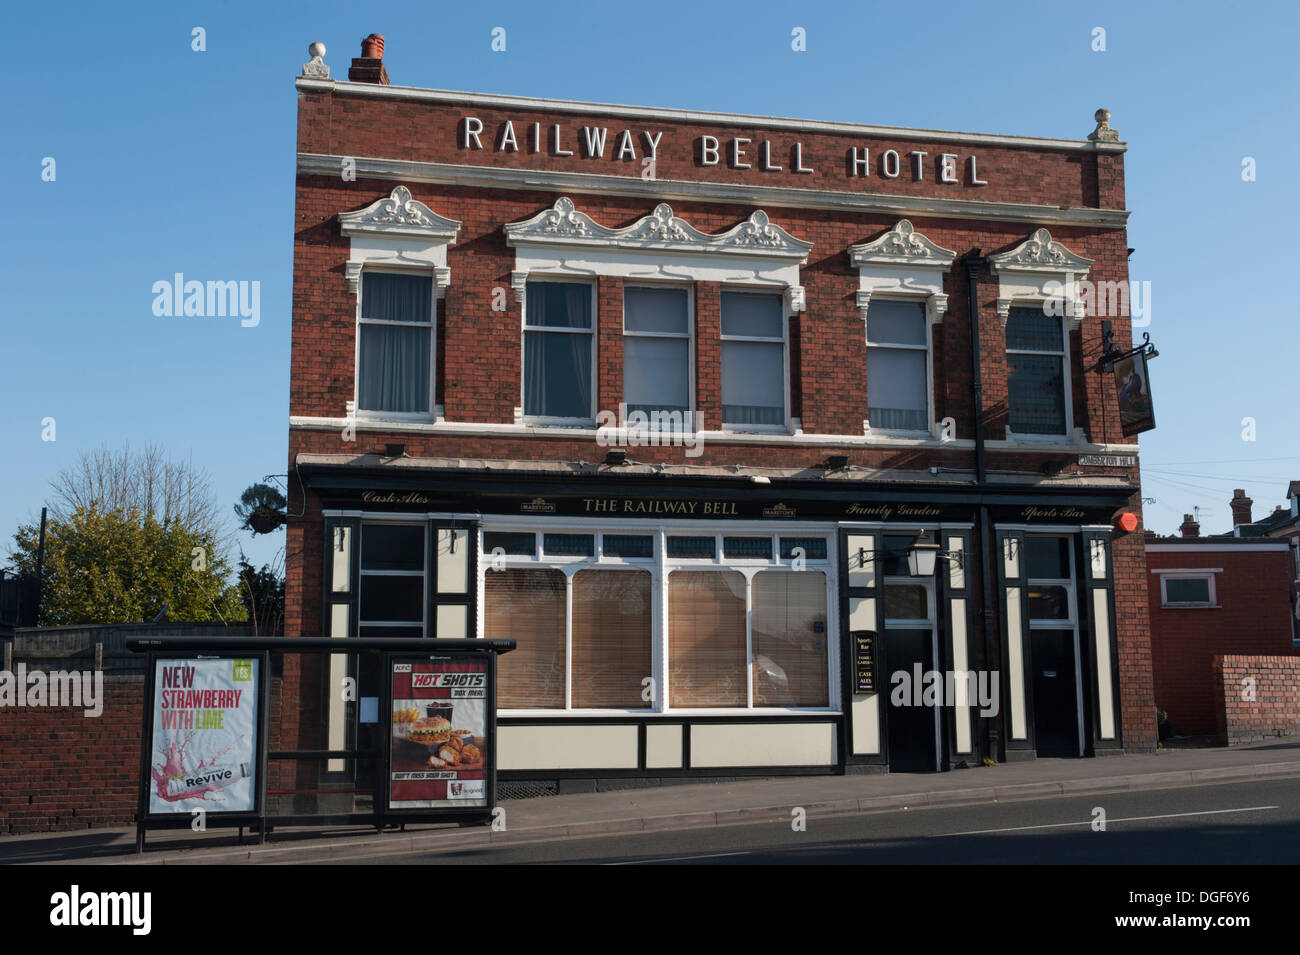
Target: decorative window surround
{"points": [[904, 264], [398, 231], [563, 240], [1040, 269]]}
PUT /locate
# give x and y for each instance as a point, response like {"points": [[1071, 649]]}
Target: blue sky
{"points": [[171, 160]]}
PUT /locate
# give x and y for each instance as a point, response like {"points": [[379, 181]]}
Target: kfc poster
{"points": [[440, 739]]}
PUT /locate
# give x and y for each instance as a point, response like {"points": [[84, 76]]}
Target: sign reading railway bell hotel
{"points": [[500, 286], [738, 152]]}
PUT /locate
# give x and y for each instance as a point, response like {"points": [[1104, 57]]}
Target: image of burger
{"points": [[429, 730]]}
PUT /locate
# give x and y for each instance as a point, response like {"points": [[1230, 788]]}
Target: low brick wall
{"points": [[63, 770], [1275, 707]]}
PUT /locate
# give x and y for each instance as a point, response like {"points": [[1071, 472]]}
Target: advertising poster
{"points": [[1136, 412], [204, 736], [440, 733]]}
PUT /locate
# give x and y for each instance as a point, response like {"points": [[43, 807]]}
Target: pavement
{"points": [[677, 807]]}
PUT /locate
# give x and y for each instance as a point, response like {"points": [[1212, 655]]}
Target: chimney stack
{"points": [[369, 66], [1190, 527], [1240, 505]]}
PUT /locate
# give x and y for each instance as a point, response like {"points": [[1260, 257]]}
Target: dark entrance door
{"points": [[911, 727], [1056, 716]]}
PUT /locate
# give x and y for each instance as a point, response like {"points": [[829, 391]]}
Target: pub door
{"points": [[912, 723]]}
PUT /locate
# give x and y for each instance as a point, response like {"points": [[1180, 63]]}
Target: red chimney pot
{"points": [[372, 47]]}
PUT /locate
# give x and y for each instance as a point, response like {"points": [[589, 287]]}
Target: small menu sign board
{"points": [[864, 660]]}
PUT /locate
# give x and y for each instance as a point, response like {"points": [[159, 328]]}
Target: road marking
{"points": [[715, 855], [1088, 822]]}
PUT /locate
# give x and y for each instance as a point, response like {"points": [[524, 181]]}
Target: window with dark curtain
{"points": [[558, 335], [396, 342]]}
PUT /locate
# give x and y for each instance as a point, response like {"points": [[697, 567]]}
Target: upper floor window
{"points": [[898, 390], [395, 343], [753, 360], [559, 336], [656, 349], [1036, 372]]}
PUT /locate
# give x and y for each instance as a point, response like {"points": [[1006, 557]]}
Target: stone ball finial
{"points": [[1102, 116], [316, 49]]}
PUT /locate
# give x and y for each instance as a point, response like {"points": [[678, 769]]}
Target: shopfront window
{"points": [[395, 343], [558, 347], [528, 606], [753, 360], [1036, 372], [656, 350], [703, 621], [898, 391], [706, 638]]}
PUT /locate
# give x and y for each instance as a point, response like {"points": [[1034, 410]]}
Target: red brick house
{"points": [[671, 397], [1219, 595]]}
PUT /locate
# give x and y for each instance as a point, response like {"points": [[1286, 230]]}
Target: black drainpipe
{"points": [[975, 263]]}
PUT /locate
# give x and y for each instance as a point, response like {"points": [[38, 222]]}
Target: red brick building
{"points": [[1219, 595], [671, 397]]}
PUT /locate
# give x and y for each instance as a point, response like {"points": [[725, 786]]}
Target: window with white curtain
{"points": [[753, 360], [559, 336], [395, 343], [898, 390], [656, 349]]}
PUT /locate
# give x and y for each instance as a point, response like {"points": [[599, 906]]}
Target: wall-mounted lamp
{"points": [[922, 556]]}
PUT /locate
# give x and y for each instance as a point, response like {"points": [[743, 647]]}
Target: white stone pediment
{"points": [[399, 214], [902, 245], [661, 231], [1040, 253]]}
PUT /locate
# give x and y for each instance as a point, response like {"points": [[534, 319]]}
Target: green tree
{"points": [[124, 566]]}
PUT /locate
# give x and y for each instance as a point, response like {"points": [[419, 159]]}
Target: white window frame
{"points": [[754, 255], [927, 348], [593, 351], [688, 424], [903, 265], [788, 424], [433, 348], [1042, 272], [1066, 383], [400, 234], [1193, 574], [660, 566]]}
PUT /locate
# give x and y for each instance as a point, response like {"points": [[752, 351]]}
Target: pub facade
{"points": [[778, 446]]}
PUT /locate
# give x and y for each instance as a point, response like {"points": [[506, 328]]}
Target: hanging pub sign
{"points": [[205, 739], [443, 733], [1136, 412], [864, 660]]}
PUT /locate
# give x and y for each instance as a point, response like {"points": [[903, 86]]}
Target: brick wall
{"points": [[1253, 617], [1275, 708]]}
